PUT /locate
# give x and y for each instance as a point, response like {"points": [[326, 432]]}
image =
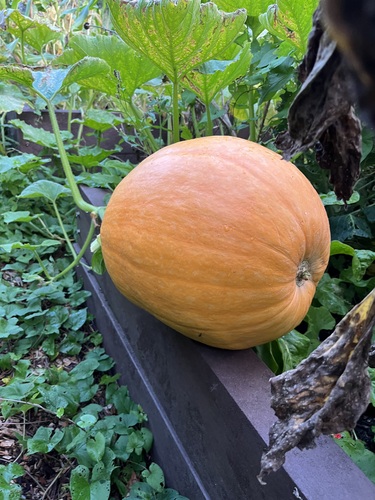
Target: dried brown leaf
{"points": [[322, 114], [327, 392]]}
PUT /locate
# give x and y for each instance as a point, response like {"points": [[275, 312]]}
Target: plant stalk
{"points": [[252, 128], [209, 126], [176, 111], [78, 200], [61, 224], [85, 246]]}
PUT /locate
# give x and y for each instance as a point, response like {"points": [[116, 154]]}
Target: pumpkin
{"points": [[219, 238]]}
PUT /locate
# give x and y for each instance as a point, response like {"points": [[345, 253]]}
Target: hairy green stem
{"points": [[44, 269], [176, 111], [61, 224], [85, 246], [139, 123], [3, 139], [78, 200], [195, 121], [252, 134], [45, 232], [209, 126]]}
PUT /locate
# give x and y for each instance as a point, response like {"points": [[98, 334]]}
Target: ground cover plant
{"points": [[58, 56], [68, 429]]}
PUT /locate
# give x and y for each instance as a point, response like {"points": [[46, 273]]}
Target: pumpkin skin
{"points": [[220, 239]]}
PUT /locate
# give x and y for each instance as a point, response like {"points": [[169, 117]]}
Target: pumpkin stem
{"points": [[303, 273]]}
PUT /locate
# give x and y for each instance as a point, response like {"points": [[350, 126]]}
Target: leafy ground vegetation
{"points": [[68, 429]]}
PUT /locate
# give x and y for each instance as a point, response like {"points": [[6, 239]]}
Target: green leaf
{"points": [[76, 319], [129, 68], [291, 22], [101, 120], [330, 293], [348, 226], [79, 483], [361, 456], [44, 440], [9, 490], [97, 262], [253, 7], [277, 78], [19, 216], [34, 33], [361, 261], [11, 98], [17, 74], [154, 477], [147, 439], [337, 247], [86, 421], [39, 135], [270, 354], [213, 76], [96, 447], [9, 247], [49, 82], [318, 319], [9, 327], [176, 35], [372, 378], [84, 369], [82, 488], [119, 448], [330, 198], [45, 189], [23, 163], [294, 348], [89, 72], [91, 156]]}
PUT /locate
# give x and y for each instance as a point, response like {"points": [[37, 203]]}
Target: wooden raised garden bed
{"points": [[209, 409]]}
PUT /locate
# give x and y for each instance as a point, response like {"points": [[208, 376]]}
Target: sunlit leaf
{"points": [[44, 440], [45, 189], [154, 477], [129, 68], [11, 98], [215, 75], [23, 162], [291, 21], [176, 35], [19, 216], [16, 245], [330, 198], [253, 7], [101, 120], [17, 74], [39, 135], [33, 32]]}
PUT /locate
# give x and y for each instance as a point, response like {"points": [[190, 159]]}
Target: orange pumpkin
{"points": [[220, 239]]}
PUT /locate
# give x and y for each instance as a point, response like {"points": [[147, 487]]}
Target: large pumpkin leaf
{"points": [[17, 74], [176, 35], [212, 76], [33, 32], [39, 135], [89, 71], [291, 21], [253, 7], [130, 68], [11, 98], [45, 189]]}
